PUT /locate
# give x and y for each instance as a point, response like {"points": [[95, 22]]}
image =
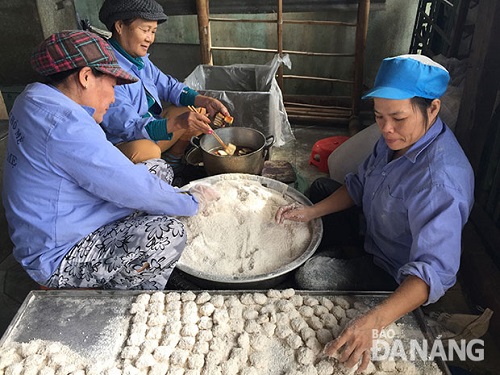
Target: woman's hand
{"points": [[355, 342], [204, 194], [293, 212], [192, 123], [212, 105]]}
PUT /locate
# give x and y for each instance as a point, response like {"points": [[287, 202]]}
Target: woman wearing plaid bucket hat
{"points": [[80, 213], [415, 191], [137, 122]]}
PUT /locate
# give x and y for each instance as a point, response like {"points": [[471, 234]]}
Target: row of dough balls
{"points": [[200, 333], [39, 357], [204, 334]]}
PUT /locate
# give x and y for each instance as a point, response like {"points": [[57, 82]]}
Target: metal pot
{"points": [[251, 163], [263, 281]]}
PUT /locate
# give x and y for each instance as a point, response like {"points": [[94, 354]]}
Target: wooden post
{"points": [[361, 30], [280, 42], [3, 109], [202, 8]]}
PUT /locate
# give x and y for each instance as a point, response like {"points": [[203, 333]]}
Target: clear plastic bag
{"points": [[251, 94]]}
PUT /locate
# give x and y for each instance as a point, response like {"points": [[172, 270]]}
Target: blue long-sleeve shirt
{"points": [[63, 180], [416, 206], [128, 116]]}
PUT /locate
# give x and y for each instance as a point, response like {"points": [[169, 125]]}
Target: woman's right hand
{"points": [[191, 122], [204, 194], [293, 212]]}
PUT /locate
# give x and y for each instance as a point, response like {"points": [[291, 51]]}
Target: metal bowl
{"points": [[266, 280]]}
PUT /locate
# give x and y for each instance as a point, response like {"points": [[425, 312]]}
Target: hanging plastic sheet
{"points": [[251, 94]]}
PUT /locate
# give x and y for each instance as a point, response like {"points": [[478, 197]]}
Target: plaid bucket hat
{"points": [[409, 76], [69, 50]]}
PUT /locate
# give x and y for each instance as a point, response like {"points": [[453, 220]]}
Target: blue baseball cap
{"points": [[408, 76]]}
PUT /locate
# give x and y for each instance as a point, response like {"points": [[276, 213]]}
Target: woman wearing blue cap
{"points": [[416, 193], [80, 213], [136, 122]]}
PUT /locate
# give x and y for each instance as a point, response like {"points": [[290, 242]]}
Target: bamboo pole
{"points": [[311, 22], [280, 41], [340, 119], [202, 8], [328, 54], [247, 49], [308, 105], [319, 111], [337, 80], [299, 22], [239, 20], [304, 53]]}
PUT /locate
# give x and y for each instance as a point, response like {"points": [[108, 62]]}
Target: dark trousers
{"points": [[340, 262], [340, 228]]}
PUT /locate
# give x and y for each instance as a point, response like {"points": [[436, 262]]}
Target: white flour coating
{"points": [[237, 235], [272, 335]]}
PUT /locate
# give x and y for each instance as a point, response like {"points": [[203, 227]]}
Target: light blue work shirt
{"points": [[416, 206], [127, 117], [63, 179]]}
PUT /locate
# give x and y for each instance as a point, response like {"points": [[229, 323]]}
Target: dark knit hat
{"points": [[69, 50], [114, 10]]}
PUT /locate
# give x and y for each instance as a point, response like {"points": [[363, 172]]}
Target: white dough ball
{"points": [[324, 336], [217, 300], [310, 301], [294, 341], [342, 302], [130, 352], [162, 353], [188, 296], [172, 296], [207, 309], [202, 298], [324, 368], [305, 356], [144, 361], [260, 298], [196, 361]]}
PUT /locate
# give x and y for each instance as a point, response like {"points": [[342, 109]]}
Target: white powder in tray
{"points": [[237, 235], [273, 333]]}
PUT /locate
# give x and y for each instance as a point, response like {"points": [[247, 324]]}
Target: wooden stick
{"points": [[229, 148]]}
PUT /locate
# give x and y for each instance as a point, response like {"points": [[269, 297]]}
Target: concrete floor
{"points": [[15, 284]]}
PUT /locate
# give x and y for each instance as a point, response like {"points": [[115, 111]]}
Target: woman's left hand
{"points": [[355, 342], [357, 339], [212, 105]]}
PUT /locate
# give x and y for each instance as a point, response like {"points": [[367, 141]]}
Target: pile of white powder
{"points": [[237, 235], [255, 333]]}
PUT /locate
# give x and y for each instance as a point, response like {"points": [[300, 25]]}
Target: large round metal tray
{"points": [[266, 280]]}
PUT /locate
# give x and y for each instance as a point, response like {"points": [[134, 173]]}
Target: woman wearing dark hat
{"points": [[80, 213], [135, 122], [416, 191]]}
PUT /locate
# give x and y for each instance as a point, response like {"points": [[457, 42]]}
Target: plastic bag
{"points": [[251, 94]]}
